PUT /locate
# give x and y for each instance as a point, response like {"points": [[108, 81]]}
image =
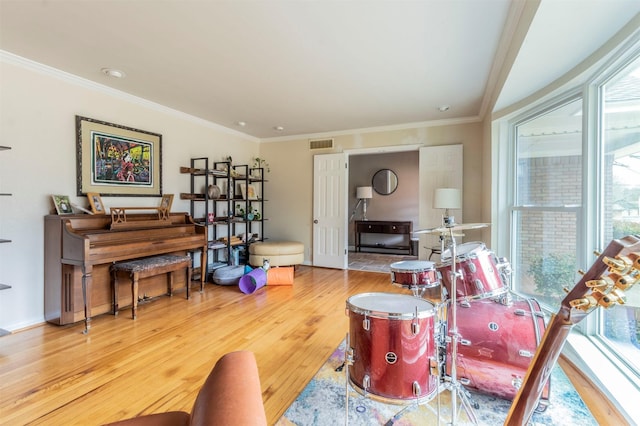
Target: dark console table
{"points": [[383, 227]]}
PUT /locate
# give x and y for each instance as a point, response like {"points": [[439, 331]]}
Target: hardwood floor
{"points": [[57, 375]]}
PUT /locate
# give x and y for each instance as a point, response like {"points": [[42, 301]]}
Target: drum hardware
{"points": [[454, 386], [505, 299]]}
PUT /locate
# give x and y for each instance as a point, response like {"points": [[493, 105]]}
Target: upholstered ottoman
{"points": [[279, 253]]}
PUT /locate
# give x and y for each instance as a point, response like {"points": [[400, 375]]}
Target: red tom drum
{"points": [[479, 273], [391, 347], [414, 273]]}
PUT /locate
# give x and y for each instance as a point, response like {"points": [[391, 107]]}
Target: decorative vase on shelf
{"points": [[213, 192]]}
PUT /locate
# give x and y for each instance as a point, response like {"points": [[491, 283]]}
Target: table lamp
{"points": [[364, 193], [447, 198]]}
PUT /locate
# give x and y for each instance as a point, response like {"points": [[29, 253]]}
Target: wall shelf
{"points": [[3, 240]]}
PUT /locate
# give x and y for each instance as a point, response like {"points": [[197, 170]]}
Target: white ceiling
{"points": [[312, 67]]}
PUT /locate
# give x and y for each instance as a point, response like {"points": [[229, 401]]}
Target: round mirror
{"points": [[384, 182]]}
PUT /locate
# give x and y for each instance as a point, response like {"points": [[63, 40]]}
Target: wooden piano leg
{"points": [[203, 268], [134, 295], [86, 296]]}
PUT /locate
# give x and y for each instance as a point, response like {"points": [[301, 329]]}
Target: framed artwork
{"points": [[248, 191], [251, 192], [62, 203], [165, 203], [95, 201], [115, 160]]}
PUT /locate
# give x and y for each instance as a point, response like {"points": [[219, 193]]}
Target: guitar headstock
{"points": [[615, 271]]}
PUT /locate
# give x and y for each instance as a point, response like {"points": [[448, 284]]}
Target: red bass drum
{"points": [[498, 340]]}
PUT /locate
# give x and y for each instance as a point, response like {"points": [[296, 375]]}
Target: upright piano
{"points": [[79, 250]]}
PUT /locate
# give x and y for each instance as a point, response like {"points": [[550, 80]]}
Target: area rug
{"points": [[323, 400]]}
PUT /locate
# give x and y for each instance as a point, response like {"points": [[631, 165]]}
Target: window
{"points": [[620, 206], [547, 202], [574, 164]]}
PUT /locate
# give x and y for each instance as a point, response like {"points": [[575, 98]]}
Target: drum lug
{"points": [[416, 389], [415, 326], [516, 382], [479, 286], [434, 368], [464, 381], [465, 342], [366, 382], [472, 268], [366, 324], [465, 304], [506, 299], [525, 353], [519, 312]]}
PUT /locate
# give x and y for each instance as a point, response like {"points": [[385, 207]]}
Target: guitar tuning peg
{"points": [[597, 253], [565, 289], [581, 272]]}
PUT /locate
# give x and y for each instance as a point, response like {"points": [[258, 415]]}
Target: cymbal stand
{"points": [[453, 384]]}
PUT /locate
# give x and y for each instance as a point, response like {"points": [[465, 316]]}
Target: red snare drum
{"points": [[414, 273], [497, 343], [479, 272], [392, 347]]}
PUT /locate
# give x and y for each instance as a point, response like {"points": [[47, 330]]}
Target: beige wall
{"points": [[37, 113], [290, 206]]}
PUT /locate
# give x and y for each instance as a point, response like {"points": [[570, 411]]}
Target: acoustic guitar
{"points": [[615, 271]]}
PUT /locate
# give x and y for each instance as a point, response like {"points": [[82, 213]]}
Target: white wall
{"points": [[37, 119]]}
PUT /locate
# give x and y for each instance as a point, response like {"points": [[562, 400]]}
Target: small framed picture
{"points": [[252, 194], [62, 203], [165, 203], [97, 207], [248, 191]]}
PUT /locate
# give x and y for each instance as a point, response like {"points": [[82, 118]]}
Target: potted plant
{"points": [[261, 163]]}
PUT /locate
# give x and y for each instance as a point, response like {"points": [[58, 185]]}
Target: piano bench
{"points": [[148, 267]]}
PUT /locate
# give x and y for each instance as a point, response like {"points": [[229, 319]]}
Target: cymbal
{"points": [[455, 227]]}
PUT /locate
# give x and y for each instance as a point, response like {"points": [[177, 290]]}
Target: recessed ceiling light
{"points": [[443, 108], [112, 72], [278, 128], [241, 123]]}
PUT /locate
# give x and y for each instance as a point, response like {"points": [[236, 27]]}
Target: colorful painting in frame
{"points": [[115, 160]]}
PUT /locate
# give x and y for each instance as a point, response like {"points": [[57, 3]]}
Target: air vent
{"points": [[320, 143]]}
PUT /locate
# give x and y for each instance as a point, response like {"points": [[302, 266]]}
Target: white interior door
{"points": [[330, 211], [440, 167]]}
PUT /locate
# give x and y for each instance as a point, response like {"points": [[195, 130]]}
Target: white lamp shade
{"points": [[364, 192], [447, 198]]}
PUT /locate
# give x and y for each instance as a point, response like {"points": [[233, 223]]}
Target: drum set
{"points": [[461, 329]]}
